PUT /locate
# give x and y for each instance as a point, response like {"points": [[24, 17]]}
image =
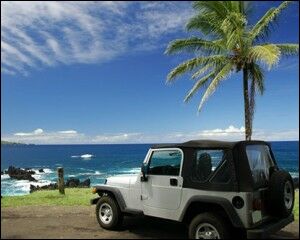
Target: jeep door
{"points": [[161, 193]]}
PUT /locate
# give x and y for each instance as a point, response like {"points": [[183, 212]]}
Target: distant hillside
{"points": [[11, 143]]}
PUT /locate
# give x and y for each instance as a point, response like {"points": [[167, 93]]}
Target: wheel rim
{"points": [[207, 231], [288, 195], [106, 213]]}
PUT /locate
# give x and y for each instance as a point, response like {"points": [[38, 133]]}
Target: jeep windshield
{"points": [[260, 161]]}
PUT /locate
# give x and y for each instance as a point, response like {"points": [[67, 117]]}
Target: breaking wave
{"points": [[84, 156]]}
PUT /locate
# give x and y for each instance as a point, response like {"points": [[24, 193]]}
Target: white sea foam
{"points": [[5, 176], [40, 183], [37, 176], [84, 156], [45, 171], [132, 170], [25, 184], [294, 174], [87, 156], [96, 173]]}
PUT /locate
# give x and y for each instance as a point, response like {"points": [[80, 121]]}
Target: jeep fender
{"points": [[118, 196], [222, 202], [111, 190]]}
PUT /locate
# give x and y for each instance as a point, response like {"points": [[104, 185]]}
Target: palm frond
{"points": [[202, 70], [233, 26], [192, 45], [261, 28], [268, 54], [288, 49], [223, 73], [206, 24], [256, 74], [197, 85], [218, 8], [193, 63]]}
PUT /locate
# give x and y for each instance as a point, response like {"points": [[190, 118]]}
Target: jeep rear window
{"points": [[260, 161], [205, 163]]}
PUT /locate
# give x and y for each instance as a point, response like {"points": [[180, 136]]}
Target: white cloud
{"points": [[231, 133], [116, 138], [68, 132], [40, 34], [35, 132], [40, 136]]}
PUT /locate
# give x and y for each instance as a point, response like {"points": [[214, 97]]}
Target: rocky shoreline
{"points": [[20, 174], [26, 174], [70, 183]]}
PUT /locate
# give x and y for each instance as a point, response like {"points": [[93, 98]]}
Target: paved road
{"points": [[80, 222]]}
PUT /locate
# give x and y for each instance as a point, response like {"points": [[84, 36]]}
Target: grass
{"points": [[72, 197], [296, 205]]}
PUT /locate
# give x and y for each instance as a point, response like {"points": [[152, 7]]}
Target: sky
{"points": [[95, 72]]}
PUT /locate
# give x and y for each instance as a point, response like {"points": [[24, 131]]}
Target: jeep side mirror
{"points": [[144, 177]]}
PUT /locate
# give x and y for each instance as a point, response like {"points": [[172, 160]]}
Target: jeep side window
{"points": [[205, 163], [165, 162]]}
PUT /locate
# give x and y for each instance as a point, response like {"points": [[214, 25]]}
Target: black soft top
{"points": [[205, 144]]}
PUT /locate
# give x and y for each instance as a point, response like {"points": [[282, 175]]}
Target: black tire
{"points": [[276, 205], [212, 219], [117, 216]]}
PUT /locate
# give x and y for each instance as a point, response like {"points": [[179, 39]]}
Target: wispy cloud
{"points": [[46, 137], [231, 133], [43, 34], [116, 138], [36, 132]]}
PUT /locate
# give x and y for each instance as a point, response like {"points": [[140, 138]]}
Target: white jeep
{"points": [[211, 186]]}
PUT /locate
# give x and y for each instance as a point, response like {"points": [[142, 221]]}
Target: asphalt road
{"points": [[80, 222]]}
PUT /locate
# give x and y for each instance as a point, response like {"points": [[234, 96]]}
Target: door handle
{"points": [[173, 181]]}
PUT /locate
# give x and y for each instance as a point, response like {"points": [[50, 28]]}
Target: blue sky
{"points": [[96, 73]]}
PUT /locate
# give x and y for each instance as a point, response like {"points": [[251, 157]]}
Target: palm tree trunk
{"points": [[246, 105], [252, 105]]}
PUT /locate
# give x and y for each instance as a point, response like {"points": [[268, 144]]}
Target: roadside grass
{"points": [[296, 205], [72, 197]]}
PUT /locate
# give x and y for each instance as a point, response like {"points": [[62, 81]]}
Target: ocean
{"points": [[97, 162]]}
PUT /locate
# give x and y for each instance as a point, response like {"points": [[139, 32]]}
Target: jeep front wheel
{"points": [[108, 213], [208, 226]]}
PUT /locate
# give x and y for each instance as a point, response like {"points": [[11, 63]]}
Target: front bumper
{"points": [[267, 229]]}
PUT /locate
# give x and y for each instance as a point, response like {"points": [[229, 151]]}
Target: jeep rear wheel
{"points": [[108, 213], [208, 226]]}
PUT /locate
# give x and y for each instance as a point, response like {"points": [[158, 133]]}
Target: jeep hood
{"points": [[122, 180]]}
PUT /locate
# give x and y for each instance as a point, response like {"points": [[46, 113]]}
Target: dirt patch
{"points": [[80, 222]]}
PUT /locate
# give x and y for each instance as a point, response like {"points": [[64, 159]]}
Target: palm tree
{"points": [[229, 45]]}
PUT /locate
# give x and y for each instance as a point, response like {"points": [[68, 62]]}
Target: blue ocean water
{"points": [[105, 161]]}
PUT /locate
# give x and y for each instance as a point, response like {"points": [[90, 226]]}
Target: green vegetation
{"points": [[73, 197], [229, 45], [296, 206]]}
